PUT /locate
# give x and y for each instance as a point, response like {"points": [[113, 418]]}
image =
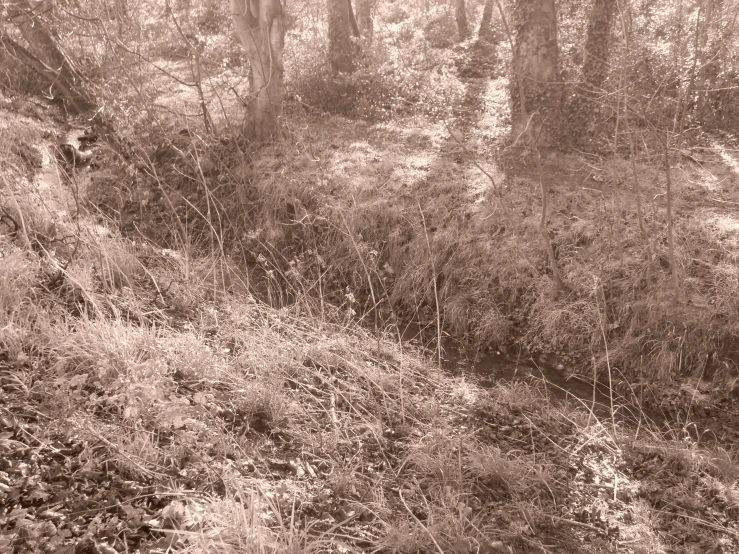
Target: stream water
{"points": [[716, 423], [490, 368], [51, 174]]}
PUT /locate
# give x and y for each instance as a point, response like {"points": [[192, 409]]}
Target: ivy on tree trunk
{"points": [[536, 67], [595, 67]]}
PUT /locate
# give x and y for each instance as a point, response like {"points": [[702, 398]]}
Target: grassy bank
{"points": [[409, 222], [148, 401], [416, 208]]}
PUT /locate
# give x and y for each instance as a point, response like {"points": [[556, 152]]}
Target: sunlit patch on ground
{"points": [[493, 120], [726, 225], [723, 227], [729, 157]]}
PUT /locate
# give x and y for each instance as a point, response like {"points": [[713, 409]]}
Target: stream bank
{"points": [[129, 427], [694, 413], [292, 243]]}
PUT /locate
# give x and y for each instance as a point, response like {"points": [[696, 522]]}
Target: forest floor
{"points": [[149, 403]]}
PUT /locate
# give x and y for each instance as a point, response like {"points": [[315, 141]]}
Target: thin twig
{"points": [[578, 524], [473, 159]]}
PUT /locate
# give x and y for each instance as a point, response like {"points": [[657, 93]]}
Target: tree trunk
{"points": [[260, 27], [485, 30], [597, 44], [365, 20], [704, 67], [353, 20], [340, 50], [64, 79], [594, 68], [536, 68], [461, 15]]}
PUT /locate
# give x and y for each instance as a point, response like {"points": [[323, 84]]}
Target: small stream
{"points": [[66, 161], [490, 368]]}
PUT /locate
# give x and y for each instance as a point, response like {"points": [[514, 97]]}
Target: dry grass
{"points": [[357, 205], [287, 427]]}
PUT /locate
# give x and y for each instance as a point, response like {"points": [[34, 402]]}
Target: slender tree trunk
{"points": [[195, 60], [353, 20], [260, 27], [461, 14], [67, 82], [340, 51], [536, 68], [670, 226], [704, 65]]}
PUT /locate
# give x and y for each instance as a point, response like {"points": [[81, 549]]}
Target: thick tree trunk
{"points": [[485, 30], [260, 27], [594, 68], [64, 79], [461, 15], [364, 19], [536, 68], [340, 50], [598, 44]]}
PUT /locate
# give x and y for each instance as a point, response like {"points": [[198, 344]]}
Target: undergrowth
{"points": [[323, 217], [147, 402]]}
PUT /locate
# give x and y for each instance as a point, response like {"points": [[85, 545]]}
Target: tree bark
{"points": [[260, 27], [365, 20], [461, 15], [340, 50], [535, 140], [64, 79], [353, 20], [595, 66], [485, 30], [598, 44], [536, 68], [703, 66]]}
